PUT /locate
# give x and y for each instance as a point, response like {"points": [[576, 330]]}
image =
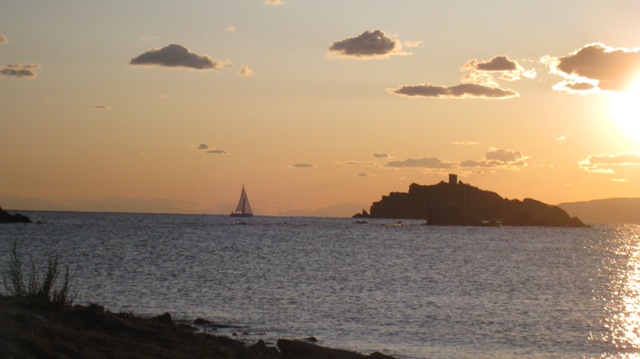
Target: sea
{"points": [[396, 287]]}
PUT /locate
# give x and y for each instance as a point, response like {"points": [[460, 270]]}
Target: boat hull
{"points": [[241, 215]]}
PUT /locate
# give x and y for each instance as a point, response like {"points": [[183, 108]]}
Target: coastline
{"points": [[31, 329]]}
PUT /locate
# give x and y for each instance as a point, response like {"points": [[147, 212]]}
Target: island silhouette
{"points": [[455, 203], [6, 217]]}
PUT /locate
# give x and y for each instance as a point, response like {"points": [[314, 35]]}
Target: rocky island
{"points": [[6, 217], [459, 204]]}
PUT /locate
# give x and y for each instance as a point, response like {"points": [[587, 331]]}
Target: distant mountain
{"points": [[607, 211], [461, 204]]}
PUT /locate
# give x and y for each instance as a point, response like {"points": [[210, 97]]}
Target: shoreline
{"points": [[30, 329]]}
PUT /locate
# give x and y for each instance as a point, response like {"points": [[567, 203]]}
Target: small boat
{"points": [[244, 208]]}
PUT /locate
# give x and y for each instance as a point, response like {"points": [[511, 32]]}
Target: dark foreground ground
{"points": [[35, 330]]}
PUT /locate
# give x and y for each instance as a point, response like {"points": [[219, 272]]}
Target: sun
{"points": [[625, 110]]}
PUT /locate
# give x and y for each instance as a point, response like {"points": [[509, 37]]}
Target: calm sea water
{"points": [[409, 290]]}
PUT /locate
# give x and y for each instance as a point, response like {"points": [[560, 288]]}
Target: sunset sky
{"points": [[318, 107]]}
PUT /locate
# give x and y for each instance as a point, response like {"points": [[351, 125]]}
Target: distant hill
{"points": [[461, 204], [606, 211]]}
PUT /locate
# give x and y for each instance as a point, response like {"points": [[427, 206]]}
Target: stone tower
{"points": [[453, 179]]}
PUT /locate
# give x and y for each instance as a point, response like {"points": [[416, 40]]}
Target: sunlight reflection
{"points": [[623, 307]]}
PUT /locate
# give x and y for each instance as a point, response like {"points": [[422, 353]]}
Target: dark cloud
{"points": [[504, 155], [478, 82], [498, 63], [580, 86], [466, 90], [303, 165], [498, 158], [427, 162], [3, 39], [217, 152], [494, 159], [203, 147], [605, 163], [369, 44], [177, 56], [358, 163], [502, 67], [101, 107], [381, 155], [19, 70], [608, 68]]}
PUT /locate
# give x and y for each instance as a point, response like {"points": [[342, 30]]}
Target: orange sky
{"points": [[317, 108]]}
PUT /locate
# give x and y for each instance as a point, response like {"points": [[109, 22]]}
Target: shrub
{"points": [[40, 290]]}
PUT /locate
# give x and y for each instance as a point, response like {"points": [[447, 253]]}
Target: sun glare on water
{"points": [[625, 109]]}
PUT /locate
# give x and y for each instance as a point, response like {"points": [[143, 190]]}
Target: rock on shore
{"points": [[32, 330], [6, 217]]}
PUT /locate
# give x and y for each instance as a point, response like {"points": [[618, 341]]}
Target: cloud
{"points": [[622, 180], [561, 138], [217, 152], [498, 158], [427, 162], [231, 28], [412, 43], [466, 143], [493, 159], [575, 87], [605, 163], [101, 107], [303, 165], [504, 155], [381, 155], [465, 90], [177, 56], [3, 39], [273, 2], [358, 163], [368, 45], [478, 164], [364, 174], [245, 71], [498, 63], [484, 71], [19, 70], [596, 67], [479, 81], [211, 150]]}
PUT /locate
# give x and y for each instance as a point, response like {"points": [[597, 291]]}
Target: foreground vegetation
{"points": [[38, 320], [36, 291]]}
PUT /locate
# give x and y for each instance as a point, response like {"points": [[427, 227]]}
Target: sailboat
{"points": [[244, 208]]}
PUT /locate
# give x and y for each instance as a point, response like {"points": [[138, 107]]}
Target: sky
{"points": [[318, 108]]}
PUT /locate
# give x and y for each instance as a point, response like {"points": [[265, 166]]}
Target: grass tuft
{"points": [[38, 289]]}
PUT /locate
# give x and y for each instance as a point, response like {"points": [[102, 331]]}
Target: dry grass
{"points": [[37, 290]]}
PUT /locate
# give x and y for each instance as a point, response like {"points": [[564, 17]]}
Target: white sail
{"points": [[243, 208]]}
